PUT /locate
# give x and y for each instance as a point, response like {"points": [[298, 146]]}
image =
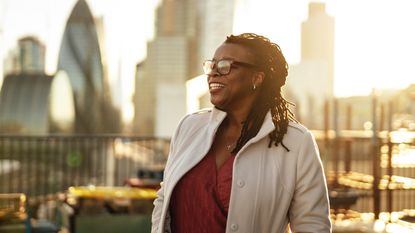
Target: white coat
{"points": [[271, 187]]}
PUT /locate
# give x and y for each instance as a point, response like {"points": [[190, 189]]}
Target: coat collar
{"points": [[217, 116]]}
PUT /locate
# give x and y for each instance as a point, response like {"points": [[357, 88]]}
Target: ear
{"points": [[258, 78]]}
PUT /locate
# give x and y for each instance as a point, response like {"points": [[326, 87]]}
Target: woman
{"points": [[246, 165]]}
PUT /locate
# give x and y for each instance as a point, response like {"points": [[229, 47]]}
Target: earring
{"points": [[254, 87]]}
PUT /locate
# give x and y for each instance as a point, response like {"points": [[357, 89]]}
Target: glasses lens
{"points": [[224, 67], [208, 66]]}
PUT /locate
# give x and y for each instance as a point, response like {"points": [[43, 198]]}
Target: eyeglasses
{"points": [[223, 66]]}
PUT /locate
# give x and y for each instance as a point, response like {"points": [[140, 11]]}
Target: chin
{"points": [[219, 103], [220, 108]]}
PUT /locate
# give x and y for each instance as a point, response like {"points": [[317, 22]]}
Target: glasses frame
{"points": [[207, 69]]}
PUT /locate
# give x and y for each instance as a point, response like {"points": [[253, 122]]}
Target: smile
{"points": [[214, 86]]}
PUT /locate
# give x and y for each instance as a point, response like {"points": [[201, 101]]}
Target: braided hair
{"points": [[270, 60]]}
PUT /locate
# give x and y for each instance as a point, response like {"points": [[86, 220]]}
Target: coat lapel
{"points": [[266, 128], [197, 149]]}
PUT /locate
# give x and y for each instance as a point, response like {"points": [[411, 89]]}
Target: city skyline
{"points": [[365, 42]]}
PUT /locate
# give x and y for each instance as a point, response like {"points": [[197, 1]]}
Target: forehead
{"points": [[233, 51]]}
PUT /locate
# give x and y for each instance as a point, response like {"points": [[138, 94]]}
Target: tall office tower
{"points": [[216, 22], [177, 20], [216, 19], [187, 33], [31, 55], [317, 38], [310, 82], [160, 81], [27, 57], [81, 58]]}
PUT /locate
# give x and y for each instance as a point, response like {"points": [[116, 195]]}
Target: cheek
{"points": [[236, 93], [243, 88]]}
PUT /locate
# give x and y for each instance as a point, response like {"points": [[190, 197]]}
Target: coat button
{"points": [[241, 183], [234, 227]]}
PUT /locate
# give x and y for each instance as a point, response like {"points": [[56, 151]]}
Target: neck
{"points": [[236, 118], [231, 127], [237, 115]]}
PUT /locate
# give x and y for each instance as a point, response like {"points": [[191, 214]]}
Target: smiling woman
{"points": [[247, 147]]}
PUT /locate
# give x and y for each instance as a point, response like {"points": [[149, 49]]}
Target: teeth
{"points": [[216, 86]]}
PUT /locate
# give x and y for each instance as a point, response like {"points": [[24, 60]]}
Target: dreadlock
{"points": [[271, 61]]}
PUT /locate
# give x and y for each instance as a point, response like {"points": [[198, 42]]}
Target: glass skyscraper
{"points": [[80, 57]]}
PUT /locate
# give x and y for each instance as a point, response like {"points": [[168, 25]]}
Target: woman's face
{"points": [[235, 89]]}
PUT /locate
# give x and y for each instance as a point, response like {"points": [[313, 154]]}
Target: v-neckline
{"points": [[220, 168]]}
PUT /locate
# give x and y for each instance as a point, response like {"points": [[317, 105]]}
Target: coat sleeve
{"points": [[158, 202], [158, 205], [309, 210]]}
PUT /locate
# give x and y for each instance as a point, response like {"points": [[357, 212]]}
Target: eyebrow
{"points": [[222, 58]]}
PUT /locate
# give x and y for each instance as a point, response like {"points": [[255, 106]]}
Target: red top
{"points": [[200, 200]]}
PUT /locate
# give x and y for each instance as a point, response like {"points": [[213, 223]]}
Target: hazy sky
{"points": [[374, 39]]}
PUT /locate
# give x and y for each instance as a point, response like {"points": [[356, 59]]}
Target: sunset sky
{"points": [[374, 39]]}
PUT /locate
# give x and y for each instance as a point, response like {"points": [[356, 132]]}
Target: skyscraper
{"points": [[27, 57], [187, 33], [310, 82], [317, 39], [216, 22], [32, 102], [160, 89], [31, 54], [81, 58]]}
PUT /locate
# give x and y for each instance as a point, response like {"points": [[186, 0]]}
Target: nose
{"points": [[213, 73]]}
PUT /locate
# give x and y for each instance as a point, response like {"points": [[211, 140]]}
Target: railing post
{"points": [[336, 143], [390, 167], [376, 163], [326, 125], [348, 146], [381, 118], [110, 161]]}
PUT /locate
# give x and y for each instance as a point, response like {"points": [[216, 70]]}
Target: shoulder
{"points": [[202, 112], [198, 116], [297, 128], [297, 134], [195, 120]]}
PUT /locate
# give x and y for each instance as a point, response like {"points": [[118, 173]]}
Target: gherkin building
{"points": [[80, 57]]}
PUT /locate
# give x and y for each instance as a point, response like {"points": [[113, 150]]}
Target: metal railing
{"points": [[42, 165], [45, 165], [381, 170]]}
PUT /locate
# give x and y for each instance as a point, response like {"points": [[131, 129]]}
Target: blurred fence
{"points": [[379, 172], [42, 165]]}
